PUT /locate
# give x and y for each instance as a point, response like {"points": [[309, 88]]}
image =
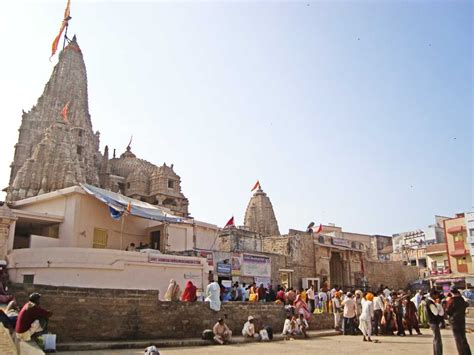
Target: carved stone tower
{"points": [[51, 153], [259, 216]]}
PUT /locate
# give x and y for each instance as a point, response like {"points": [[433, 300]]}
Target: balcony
{"points": [[459, 245]]}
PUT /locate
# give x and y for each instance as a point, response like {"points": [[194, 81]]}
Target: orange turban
{"points": [[369, 297]]}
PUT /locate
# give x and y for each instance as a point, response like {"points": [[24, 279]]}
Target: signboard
{"points": [[162, 260], [224, 269], [256, 266], [341, 242], [236, 264]]}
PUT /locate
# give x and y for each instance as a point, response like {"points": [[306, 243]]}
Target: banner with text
{"points": [[256, 266]]}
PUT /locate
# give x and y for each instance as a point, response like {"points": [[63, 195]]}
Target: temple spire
{"points": [[259, 216]]}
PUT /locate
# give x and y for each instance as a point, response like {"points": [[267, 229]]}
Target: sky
{"points": [[357, 113]]}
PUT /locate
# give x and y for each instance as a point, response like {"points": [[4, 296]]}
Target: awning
{"points": [[457, 229], [139, 208]]}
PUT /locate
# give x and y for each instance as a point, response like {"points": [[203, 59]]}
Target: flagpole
{"points": [[121, 233], [65, 36]]}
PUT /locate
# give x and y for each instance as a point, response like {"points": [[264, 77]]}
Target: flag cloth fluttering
{"points": [[256, 186], [320, 229], [230, 223], [64, 112], [64, 24]]}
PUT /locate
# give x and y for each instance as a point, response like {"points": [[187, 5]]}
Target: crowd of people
{"points": [[383, 312]]}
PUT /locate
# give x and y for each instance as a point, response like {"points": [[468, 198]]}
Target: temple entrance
{"points": [[336, 270]]}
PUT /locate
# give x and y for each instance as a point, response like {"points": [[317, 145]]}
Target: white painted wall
{"points": [[104, 268]]}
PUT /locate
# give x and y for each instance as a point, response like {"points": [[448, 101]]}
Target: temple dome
{"points": [[259, 216]]}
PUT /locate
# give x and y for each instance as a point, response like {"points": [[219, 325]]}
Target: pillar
{"points": [[7, 227]]}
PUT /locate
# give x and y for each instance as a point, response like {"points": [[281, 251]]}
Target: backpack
{"points": [[269, 330], [264, 335], [207, 334]]}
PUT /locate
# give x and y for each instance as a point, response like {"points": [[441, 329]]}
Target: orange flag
{"points": [[256, 186], [64, 24], [64, 112]]}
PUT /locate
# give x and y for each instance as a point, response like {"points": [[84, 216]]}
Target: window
{"points": [[100, 238], [434, 265], [462, 261], [458, 237], [171, 184], [79, 150], [471, 232], [79, 133], [446, 264], [28, 279], [128, 185]]}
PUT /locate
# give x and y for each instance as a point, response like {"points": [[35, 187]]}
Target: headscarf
{"points": [[369, 297], [189, 294], [172, 293]]}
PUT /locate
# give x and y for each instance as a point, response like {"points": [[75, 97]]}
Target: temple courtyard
{"points": [[336, 344]]}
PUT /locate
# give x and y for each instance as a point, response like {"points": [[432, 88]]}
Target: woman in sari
{"points": [[301, 307], [422, 313], [189, 294], [389, 319], [173, 291]]}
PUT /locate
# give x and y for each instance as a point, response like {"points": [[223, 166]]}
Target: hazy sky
{"points": [[357, 113]]}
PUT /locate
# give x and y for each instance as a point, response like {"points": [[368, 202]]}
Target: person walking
{"points": [[337, 310], [365, 319], [310, 295], [456, 311], [411, 317], [378, 312], [434, 319]]}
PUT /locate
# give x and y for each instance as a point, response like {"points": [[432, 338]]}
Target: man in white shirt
{"points": [[310, 295], [349, 314], [337, 310], [249, 328], [378, 312]]}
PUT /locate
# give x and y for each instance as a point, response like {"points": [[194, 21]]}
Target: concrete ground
{"points": [[413, 345]]}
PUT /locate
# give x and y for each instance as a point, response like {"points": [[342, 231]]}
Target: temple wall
{"points": [[390, 273], [84, 314]]}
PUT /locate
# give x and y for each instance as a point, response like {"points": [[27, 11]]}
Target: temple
{"points": [[55, 152], [259, 216]]}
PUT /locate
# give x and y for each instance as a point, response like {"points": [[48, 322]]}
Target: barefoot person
{"points": [[365, 319], [222, 333]]}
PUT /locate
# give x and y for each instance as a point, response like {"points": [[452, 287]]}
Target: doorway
{"points": [[155, 240]]}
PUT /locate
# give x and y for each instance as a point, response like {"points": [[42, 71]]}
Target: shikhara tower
{"points": [[53, 153], [259, 216]]}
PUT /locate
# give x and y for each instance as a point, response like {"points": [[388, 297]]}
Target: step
{"points": [[164, 343]]}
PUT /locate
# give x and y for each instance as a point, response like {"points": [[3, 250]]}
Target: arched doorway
{"points": [[336, 270]]}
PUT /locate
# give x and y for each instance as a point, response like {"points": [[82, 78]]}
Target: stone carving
{"points": [[53, 153], [259, 216]]}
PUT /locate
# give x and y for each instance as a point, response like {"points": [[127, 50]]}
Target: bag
{"points": [[49, 341], [207, 334], [269, 330], [383, 321], [264, 335], [253, 297]]}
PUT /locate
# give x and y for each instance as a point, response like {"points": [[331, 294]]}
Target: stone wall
{"points": [[84, 314], [390, 273]]}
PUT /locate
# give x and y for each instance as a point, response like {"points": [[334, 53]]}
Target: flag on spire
{"points": [[256, 186], [230, 223], [64, 24], [64, 112]]}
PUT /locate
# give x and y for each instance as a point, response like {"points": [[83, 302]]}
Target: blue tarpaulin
{"points": [[120, 203]]}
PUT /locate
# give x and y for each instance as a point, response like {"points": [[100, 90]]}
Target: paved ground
{"points": [[415, 345]]}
